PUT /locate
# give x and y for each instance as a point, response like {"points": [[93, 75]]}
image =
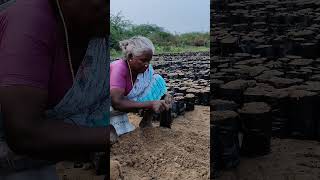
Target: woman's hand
{"points": [[168, 99], [121, 103], [159, 106]]}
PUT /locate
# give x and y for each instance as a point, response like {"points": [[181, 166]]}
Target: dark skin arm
{"points": [[121, 103], [29, 133]]}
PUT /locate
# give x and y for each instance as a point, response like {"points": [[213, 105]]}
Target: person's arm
{"points": [[118, 74], [121, 103], [27, 52], [29, 133]]}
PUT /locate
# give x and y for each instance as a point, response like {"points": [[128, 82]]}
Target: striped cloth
{"points": [[87, 102], [148, 87]]}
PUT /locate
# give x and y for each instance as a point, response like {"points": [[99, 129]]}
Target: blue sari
{"points": [[147, 87], [87, 102]]}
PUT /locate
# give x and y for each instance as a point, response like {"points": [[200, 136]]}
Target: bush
{"points": [[119, 29], [164, 41]]}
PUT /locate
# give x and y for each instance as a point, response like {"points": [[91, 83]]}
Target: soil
{"points": [[66, 171], [181, 152], [290, 159]]}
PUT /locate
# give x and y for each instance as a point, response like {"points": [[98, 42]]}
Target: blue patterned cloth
{"points": [[148, 87], [6, 4], [87, 102]]}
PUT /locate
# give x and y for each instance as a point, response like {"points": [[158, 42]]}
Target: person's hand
{"points": [[168, 99], [159, 106]]}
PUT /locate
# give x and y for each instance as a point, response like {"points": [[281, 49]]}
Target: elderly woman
{"points": [[135, 86]]}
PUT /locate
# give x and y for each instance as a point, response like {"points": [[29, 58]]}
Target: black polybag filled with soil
{"points": [[166, 119], [302, 113], [225, 142], [256, 127]]}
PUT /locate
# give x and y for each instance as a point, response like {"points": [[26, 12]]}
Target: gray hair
{"points": [[136, 46]]}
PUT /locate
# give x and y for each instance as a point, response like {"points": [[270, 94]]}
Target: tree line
{"points": [[122, 28]]}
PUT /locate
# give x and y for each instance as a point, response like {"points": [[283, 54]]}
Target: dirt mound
{"points": [[159, 153]]}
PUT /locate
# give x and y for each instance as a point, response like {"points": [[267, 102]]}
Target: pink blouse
{"points": [[120, 76]]}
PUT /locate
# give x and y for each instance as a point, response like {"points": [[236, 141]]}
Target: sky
{"points": [[176, 16]]}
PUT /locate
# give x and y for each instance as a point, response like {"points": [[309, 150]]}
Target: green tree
{"points": [[119, 29], [146, 29], [163, 38], [195, 39]]}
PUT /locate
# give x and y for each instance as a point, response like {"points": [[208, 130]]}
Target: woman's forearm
{"points": [[126, 105], [56, 140], [122, 103]]}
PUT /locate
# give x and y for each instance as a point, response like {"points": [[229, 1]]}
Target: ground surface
{"points": [[66, 171], [158, 153], [290, 160]]}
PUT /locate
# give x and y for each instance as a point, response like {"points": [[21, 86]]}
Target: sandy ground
{"points": [[159, 153], [290, 159], [66, 171]]}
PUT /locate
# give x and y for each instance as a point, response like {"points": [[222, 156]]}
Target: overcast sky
{"points": [[178, 16]]}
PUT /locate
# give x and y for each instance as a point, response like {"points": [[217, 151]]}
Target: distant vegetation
{"points": [[121, 28]]}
